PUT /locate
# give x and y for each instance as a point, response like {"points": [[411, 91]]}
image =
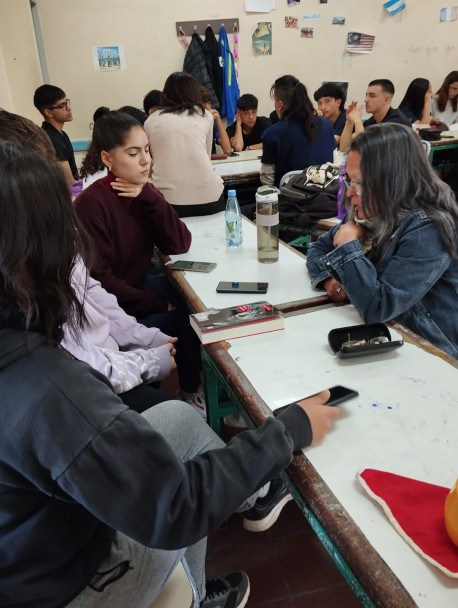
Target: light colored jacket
{"points": [[112, 342]]}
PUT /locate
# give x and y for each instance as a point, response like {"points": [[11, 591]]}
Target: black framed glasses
{"points": [[61, 106]]}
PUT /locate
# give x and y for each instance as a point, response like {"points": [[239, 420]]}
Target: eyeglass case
{"points": [[338, 336]]}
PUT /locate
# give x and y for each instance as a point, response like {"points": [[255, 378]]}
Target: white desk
{"points": [[242, 169], [405, 421], [288, 278]]}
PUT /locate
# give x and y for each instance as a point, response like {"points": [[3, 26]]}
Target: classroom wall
{"points": [[407, 45], [20, 72]]}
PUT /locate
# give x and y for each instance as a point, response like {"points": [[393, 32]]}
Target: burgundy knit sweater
{"points": [[124, 233]]}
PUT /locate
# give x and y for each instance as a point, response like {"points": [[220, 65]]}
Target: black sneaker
{"points": [[266, 511], [228, 591]]}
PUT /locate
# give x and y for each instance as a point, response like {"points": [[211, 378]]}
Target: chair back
{"points": [[179, 591]]}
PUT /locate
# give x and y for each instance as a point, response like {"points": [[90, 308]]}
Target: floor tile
{"points": [[259, 560], [336, 597], [306, 564]]}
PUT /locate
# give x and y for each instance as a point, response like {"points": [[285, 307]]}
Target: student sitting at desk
{"points": [[299, 139], [152, 101], [378, 99], [53, 105], [409, 273], [130, 355], [220, 136], [416, 103], [126, 216], [180, 135], [99, 504], [246, 132], [444, 105], [330, 100]]}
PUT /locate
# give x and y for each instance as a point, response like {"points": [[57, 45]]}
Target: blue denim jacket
{"points": [[415, 283]]}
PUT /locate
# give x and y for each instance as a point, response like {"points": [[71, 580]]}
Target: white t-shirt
{"points": [[448, 116]]}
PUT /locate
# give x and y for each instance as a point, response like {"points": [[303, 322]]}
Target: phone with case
{"points": [[339, 394]]}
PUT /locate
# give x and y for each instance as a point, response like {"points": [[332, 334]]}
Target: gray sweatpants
{"points": [[149, 569]]}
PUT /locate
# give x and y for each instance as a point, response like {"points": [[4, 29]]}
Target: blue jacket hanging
{"points": [[231, 91]]}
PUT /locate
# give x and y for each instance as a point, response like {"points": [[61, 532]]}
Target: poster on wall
{"points": [[108, 58], [262, 39]]}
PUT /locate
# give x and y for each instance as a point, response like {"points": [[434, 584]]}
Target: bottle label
{"points": [[262, 219]]}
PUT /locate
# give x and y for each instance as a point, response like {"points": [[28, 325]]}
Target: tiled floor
{"points": [[287, 565]]}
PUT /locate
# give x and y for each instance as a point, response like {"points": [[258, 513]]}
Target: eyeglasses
{"points": [[355, 343], [62, 106], [351, 184]]}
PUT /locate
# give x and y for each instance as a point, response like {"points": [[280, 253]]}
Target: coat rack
{"points": [[188, 28]]}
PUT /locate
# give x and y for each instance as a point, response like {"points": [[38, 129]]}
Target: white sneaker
{"points": [[235, 421], [197, 401]]}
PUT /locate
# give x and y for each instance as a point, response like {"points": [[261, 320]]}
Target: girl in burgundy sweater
{"points": [[127, 217]]}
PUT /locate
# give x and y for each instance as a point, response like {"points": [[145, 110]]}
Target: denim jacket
{"points": [[415, 283]]}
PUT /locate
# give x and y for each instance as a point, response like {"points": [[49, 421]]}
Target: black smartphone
{"points": [[338, 395], [193, 266], [235, 287]]}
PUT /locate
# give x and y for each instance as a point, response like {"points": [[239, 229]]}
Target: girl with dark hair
{"points": [[99, 504], [92, 167], [444, 105], [416, 103], [180, 134], [127, 217], [409, 273], [299, 139]]}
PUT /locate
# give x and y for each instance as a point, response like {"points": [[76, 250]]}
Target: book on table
{"points": [[215, 324]]}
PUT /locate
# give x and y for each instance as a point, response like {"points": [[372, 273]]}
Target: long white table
{"points": [[405, 421], [241, 170], [288, 278]]}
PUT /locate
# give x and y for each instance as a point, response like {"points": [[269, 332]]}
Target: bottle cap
{"points": [[232, 192]]}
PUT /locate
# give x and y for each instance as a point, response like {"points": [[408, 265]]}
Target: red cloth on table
{"points": [[416, 510]]}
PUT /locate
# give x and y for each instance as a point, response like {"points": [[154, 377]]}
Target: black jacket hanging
{"points": [[195, 63], [214, 63]]}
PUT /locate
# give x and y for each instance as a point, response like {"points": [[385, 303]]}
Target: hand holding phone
{"points": [[337, 394], [321, 418]]}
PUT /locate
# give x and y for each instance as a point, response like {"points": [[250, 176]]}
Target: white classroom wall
{"points": [[408, 45]]}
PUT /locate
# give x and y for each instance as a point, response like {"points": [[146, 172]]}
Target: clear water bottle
{"points": [[267, 222], [233, 220]]}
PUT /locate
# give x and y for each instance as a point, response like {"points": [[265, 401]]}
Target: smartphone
{"points": [[338, 395], [235, 287], [193, 266]]}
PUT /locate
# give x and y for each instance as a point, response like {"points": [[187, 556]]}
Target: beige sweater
{"points": [[181, 147]]}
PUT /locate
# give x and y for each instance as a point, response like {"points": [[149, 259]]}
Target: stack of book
{"points": [[215, 325]]}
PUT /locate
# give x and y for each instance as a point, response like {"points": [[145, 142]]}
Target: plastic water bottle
{"points": [[267, 222], [233, 220]]}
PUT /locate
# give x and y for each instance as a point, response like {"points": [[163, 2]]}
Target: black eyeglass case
{"points": [[338, 336]]}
